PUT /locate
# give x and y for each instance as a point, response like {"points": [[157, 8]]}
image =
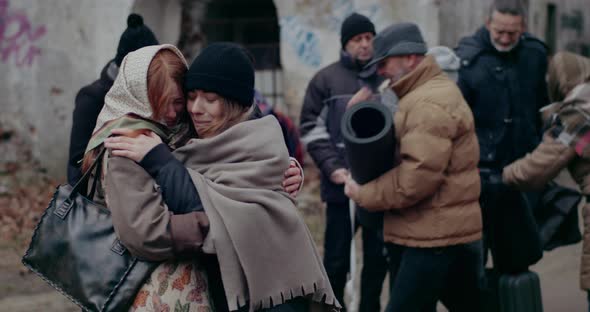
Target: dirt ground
{"points": [[22, 291]]}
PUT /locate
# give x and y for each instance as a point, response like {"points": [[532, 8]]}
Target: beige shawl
{"points": [[266, 253]]}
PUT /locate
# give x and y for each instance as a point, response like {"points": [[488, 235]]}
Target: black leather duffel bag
{"points": [[74, 248]]}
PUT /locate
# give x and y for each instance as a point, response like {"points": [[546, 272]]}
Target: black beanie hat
{"points": [[223, 68], [353, 25], [136, 36]]}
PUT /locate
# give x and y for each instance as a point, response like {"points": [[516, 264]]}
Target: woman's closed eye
{"points": [[210, 97]]}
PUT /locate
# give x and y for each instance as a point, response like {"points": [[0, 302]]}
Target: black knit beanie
{"points": [[136, 36], [223, 68], [353, 25]]}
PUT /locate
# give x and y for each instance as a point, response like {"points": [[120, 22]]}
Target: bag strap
{"points": [[62, 210], [97, 175], [84, 178]]}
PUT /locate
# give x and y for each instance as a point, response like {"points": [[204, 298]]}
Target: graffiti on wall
{"points": [[18, 37], [303, 39]]}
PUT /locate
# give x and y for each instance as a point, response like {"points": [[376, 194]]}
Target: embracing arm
{"points": [[293, 178], [540, 166], [141, 219], [178, 189]]}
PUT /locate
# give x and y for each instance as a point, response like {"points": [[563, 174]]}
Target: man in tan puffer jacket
{"points": [[432, 223], [566, 143]]}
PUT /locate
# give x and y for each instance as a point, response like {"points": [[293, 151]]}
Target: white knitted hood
{"points": [[129, 91]]}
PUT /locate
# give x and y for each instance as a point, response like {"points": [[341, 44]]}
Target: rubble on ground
{"points": [[25, 187]]}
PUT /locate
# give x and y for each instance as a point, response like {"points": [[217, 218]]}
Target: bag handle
{"points": [[64, 208], [86, 175], [97, 174]]}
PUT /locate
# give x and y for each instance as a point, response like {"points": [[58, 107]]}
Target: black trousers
{"points": [[423, 276], [337, 257]]}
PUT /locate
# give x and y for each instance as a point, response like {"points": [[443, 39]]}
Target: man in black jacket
{"points": [[325, 102], [90, 99], [502, 78]]}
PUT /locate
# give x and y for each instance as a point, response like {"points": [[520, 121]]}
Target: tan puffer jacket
{"points": [[565, 144], [431, 198]]}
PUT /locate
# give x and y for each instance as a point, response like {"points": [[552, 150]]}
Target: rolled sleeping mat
{"points": [[369, 138]]}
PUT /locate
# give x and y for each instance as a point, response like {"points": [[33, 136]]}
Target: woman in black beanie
{"points": [[222, 71], [258, 253]]}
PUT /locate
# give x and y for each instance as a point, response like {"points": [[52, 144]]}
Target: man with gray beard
{"points": [[502, 78]]}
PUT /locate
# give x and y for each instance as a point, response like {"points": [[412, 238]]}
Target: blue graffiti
{"points": [[304, 41]]}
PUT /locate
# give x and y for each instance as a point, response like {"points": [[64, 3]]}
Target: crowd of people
{"points": [[198, 173]]}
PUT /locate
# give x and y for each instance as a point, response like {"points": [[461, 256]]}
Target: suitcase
{"points": [[520, 292]]}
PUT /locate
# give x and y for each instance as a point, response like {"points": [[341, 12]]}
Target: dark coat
{"points": [[505, 91], [89, 103], [323, 107]]}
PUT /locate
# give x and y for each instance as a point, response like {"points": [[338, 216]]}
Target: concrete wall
{"points": [[572, 19], [459, 18], [48, 50], [425, 13], [163, 17], [310, 34]]}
